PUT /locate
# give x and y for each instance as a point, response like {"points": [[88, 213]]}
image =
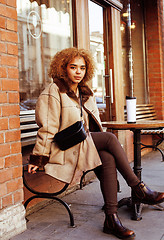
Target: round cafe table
{"points": [[136, 129]]}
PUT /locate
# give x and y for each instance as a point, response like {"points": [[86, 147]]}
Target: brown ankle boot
{"points": [[143, 194], [113, 225]]}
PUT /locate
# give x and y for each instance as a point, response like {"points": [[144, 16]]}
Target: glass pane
{"points": [[133, 40], [44, 27], [97, 48]]}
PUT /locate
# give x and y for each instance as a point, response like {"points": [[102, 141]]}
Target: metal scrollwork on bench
{"points": [[46, 195]]}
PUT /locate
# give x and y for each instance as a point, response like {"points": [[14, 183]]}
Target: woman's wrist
{"points": [[38, 160]]}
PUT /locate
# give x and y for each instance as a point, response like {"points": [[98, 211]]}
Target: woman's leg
{"points": [[107, 175], [106, 141]]}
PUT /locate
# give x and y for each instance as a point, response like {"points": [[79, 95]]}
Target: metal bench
{"points": [[29, 127], [146, 112], [29, 130]]}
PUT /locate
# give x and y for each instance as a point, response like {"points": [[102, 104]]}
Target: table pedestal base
{"points": [[136, 208]]}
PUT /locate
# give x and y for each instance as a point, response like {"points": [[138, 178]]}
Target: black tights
{"points": [[113, 157]]}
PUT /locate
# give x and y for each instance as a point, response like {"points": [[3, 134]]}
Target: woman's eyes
{"points": [[82, 68]]}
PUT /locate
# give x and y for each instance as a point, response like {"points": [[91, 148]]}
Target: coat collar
{"points": [[63, 86]]}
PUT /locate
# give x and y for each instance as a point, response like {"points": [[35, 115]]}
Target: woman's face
{"points": [[76, 70]]}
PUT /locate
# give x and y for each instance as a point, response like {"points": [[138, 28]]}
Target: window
{"points": [[44, 27]]}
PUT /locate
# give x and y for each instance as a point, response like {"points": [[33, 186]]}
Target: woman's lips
{"points": [[77, 78]]}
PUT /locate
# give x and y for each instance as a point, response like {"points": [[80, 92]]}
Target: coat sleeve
{"points": [[48, 109]]}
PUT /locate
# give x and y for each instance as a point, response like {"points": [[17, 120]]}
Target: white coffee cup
{"points": [[131, 109]]}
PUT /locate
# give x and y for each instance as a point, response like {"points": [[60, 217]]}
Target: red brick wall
{"points": [[154, 40], [161, 19], [11, 186]]}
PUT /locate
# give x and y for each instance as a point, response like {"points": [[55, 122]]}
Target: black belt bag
{"points": [[71, 135]]}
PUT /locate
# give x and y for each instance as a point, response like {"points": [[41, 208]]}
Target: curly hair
{"points": [[58, 65]]}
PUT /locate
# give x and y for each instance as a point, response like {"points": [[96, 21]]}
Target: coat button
{"points": [[74, 152]]}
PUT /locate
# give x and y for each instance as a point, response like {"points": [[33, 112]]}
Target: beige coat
{"points": [[55, 111]]}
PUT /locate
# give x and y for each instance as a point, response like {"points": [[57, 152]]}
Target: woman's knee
{"points": [[103, 140], [111, 137]]}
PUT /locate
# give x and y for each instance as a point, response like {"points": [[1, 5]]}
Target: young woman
{"points": [[57, 108]]}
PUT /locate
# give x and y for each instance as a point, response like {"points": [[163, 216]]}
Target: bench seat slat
{"points": [[27, 119], [28, 134], [144, 108], [29, 126], [146, 116], [144, 112], [28, 141], [27, 112]]}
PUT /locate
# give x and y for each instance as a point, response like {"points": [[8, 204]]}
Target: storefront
{"points": [[117, 36], [45, 27], [128, 50]]}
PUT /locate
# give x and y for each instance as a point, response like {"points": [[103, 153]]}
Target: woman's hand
{"points": [[32, 168]]}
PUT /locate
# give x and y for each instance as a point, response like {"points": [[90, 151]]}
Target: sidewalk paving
{"points": [[52, 221]]}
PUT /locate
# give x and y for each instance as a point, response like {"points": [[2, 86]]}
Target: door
{"points": [[99, 45]]}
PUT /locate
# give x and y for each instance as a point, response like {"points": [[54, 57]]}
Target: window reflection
{"points": [[44, 27], [97, 48]]}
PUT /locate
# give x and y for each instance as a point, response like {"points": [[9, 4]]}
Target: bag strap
{"points": [[80, 102]]}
